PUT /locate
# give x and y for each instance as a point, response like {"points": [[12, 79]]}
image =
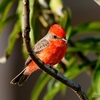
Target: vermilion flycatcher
{"points": [[50, 49]]}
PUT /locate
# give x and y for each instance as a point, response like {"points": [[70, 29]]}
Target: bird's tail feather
{"points": [[19, 79]]}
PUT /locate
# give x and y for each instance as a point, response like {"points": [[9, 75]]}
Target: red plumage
{"points": [[50, 49]]}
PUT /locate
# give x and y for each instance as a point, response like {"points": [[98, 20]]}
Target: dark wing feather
{"points": [[40, 45]]}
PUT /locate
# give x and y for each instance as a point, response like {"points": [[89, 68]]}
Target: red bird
{"points": [[50, 49]]}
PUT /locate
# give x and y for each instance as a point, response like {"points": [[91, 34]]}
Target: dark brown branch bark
{"points": [[48, 69]]}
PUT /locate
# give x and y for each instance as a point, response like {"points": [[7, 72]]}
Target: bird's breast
{"points": [[53, 53]]}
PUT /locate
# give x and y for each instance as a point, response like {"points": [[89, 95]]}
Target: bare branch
{"points": [[48, 69]]}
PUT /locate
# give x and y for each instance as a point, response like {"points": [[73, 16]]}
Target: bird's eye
{"points": [[54, 36]]}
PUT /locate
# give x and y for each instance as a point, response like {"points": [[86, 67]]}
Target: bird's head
{"points": [[57, 32]]}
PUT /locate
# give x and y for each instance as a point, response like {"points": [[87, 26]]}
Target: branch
{"points": [[48, 69]]}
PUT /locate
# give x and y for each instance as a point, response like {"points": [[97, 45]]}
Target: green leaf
{"points": [[75, 69], [11, 41], [24, 51], [96, 78], [84, 49], [7, 20], [4, 4], [90, 93], [86, 45], [43, 79], [65, 21], [34, 22], [90, 40], [5, 10], [86, 27], [50, 95], [12, 38], [68, 26], [50, 84]]}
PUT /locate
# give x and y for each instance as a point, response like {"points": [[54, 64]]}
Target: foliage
{"points": [[42, 15]]}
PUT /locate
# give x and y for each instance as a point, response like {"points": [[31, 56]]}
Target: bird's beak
{"points": [[64, 39]]}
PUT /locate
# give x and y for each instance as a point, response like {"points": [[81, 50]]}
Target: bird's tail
{"points": [[19, 79]]}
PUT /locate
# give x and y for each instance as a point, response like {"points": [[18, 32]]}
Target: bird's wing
{"points": [[40, 45]]}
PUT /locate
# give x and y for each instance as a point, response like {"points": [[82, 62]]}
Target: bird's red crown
{"points": [[57, 30]]}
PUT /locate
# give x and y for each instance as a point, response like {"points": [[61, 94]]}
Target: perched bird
{"points": [[50, 49]]}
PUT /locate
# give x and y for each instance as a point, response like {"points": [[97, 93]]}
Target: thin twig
{"points": [[48, 69]]}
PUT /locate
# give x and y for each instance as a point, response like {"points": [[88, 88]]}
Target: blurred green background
{"points": [[81, 21]]}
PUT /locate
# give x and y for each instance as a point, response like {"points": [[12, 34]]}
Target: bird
{"points": [[50, 49]]}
